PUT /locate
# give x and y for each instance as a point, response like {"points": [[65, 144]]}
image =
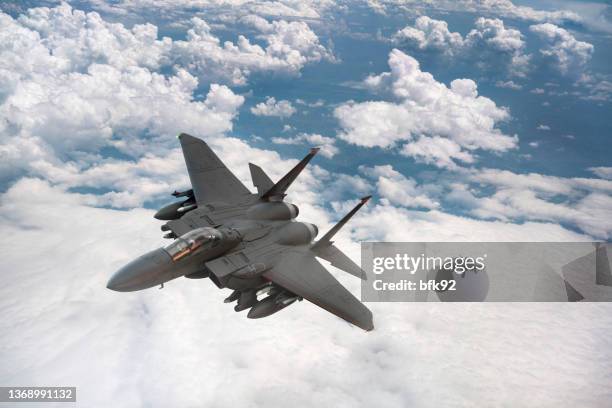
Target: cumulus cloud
{"points": [[48, 118], [509, 85], [489, 42], [311, 9], [503, 8], [436, 123], [492, 195], [289, 46], [438, 151], [76, 85], [582, 202], [398, 190], [429, 33], [327, 144], [71, 40], [316, 104], [272, 107], [599, 89], [568, 55]]}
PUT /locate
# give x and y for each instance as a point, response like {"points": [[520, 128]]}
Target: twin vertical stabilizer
{"points": [[269, 191]]}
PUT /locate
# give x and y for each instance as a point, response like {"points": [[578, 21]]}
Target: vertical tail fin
{"points": [[278, 189], [326, 240], [260, 179], [325, 248]]}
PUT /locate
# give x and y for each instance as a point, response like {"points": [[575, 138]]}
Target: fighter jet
{"points": [[250, 243]]}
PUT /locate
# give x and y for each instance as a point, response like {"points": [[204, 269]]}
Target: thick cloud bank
{"points": [[182, 346]]}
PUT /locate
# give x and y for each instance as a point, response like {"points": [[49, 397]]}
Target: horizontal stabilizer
{"points": [[326, 240], [339, 259], [260, 179], [278, 189]]}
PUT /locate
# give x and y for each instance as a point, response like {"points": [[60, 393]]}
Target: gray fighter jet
{"points": [[250, 243]]}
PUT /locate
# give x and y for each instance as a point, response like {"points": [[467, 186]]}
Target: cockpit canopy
{"points": [[193, 241]]}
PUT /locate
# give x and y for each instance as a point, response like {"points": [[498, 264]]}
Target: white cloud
{"points": [[66, 39], [590, 213], [509, 85], [534, 144], [537, 91], [543, 127], [327, 144], [437, 150], [397, 189], [597, 87], [393, 224], [56, 308], [282, 108], [582, 202], [489, 42], [569, 55], [47, 118], [602, 171], [311, 9], [502, 8], [316, 104], [79, 39], [455, 120], [77, 84], [499, 42], [429, 33], [289, 46]]}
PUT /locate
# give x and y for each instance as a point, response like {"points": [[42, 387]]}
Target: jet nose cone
{"points": [[141, 273]]}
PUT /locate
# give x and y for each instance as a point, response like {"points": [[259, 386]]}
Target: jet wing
{"points": [[302, 274], [210, 179]]}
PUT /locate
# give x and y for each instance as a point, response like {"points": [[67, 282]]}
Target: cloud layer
{"points": [[118, 348]]}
